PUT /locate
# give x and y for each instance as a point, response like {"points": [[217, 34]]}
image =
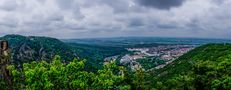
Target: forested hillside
{"points": [[95, 54], [56, 75], [33, 48], [27, 49], [204, 68]]}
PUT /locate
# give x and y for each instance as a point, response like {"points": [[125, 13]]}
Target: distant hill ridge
{"points": [[30, 48], [36, 48]]}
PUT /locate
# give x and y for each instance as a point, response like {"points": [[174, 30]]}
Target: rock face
{"points": [[26, 49]]}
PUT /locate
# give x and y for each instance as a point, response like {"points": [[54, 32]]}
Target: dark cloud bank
{"points": [[161, 4]]}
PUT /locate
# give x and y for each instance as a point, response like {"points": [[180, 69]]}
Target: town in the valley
{"points": [[167, 53]]}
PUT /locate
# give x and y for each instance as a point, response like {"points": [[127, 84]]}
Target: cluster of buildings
{"points": [[168, 53], [165, 52]]}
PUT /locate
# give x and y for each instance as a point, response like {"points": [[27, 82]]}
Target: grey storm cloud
{"points": [[9, 5], [166, 26], [161, 4], [107, 18], [136, 23], [65, 4]]}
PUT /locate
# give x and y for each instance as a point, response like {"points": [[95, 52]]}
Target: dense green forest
{"points": [[204, 68], [72, 76], [27, 49], [150, 62], [33, 48], [95, 54]]}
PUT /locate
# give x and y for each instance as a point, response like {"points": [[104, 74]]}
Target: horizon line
{"points": [[121, 37]]}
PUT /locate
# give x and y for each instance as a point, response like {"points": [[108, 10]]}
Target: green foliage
{"points": [[2, 84], [72, 76], [31, 48], [150, 62], [95, 54], [107, 79], [204, 68], [27, 49], [185, 63], [139, 79]]}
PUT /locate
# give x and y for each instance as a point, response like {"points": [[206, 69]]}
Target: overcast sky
{"points": [[116, 18]]}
